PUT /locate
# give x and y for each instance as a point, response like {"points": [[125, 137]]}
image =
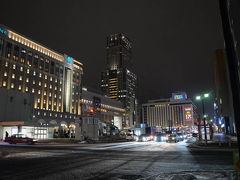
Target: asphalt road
{"points": [[129, 160]]}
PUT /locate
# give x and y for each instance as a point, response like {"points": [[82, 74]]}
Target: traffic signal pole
{"points": [[204, 121]]}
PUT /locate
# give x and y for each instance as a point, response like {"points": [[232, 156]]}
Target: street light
{"points": [[202, 97]]}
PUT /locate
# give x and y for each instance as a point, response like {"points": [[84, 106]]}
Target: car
{"points": [[195, 135], [172, 138], [181, 136], [142, 138], [160, 137], [20, 138]]}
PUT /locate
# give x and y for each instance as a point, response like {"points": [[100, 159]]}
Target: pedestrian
{"points": [[6, 134]]}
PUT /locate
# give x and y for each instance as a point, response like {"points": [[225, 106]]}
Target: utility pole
{"points": [[204, 121]]}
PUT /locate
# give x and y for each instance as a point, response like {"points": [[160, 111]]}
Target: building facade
{"points": [[224, 103], [119, 81], [53, 79], [178, 111], [108, 112]]}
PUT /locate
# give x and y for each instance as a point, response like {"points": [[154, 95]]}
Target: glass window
{"points": [[23, 56], [57, 70], [16, 53], [29, 59], [52, 67], [41, 63], [8, 50], [35, 61], [47, 66]]}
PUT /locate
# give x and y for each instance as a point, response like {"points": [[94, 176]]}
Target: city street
{"points": [[129, 160]]}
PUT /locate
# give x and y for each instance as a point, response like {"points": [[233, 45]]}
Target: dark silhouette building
{"points": [[119, 81], [223, 93]]}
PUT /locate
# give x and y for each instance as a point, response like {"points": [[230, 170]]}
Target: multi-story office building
{"points": [[118, 80], [177, 111], [109, 112], [54, 79]]}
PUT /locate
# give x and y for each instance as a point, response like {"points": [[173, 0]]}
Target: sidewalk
{"points": [[219, 143]]}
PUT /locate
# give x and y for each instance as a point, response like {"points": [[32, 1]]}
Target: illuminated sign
{"points": [[188, 114], [178, 96], [69, 59], [3, 31]]}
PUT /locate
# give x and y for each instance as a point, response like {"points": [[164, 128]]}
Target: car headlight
{"points": [[173, 138]]}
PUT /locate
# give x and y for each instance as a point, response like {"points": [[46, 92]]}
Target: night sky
{"points": [[173, 40]]}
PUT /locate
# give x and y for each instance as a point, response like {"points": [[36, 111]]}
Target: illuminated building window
{"points": [[40, 75], [44, 101], [50, 86], [34, 73], [50, 94], [44, 114], [34, 82], [55, 95], [33, 91], [45, 76], [4, 83], [60, 82], [50, 114], [27, 80], [26, 89], [50, 78], [38, 112], [39, 92], [19, 87], [21, 69], [40, 83], [55, 87], [12, 85], [5, 74], [45, 84], [59, 104], [38, 100], [55, 115], [6, 64], [61, 115], [28, 71], [50, 102], [60, 97], [14, 66], [60, 89], [55, 80], [45, 93]]}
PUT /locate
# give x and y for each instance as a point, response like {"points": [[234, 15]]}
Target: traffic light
{"points": [[91, 111]]}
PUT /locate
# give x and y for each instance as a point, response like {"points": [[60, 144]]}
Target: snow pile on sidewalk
{"points": [[201, 175]]}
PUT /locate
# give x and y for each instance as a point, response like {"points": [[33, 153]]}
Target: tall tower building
{"points": [[118, 80]]}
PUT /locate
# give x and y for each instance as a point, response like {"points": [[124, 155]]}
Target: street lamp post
{"points": [[204, 121], [202, 97]]}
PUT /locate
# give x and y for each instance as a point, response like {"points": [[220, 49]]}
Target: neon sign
{"points": [[178, 97], [188, 115], [3, 31], [69, 59]]}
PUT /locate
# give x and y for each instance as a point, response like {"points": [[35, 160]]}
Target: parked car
{"points": [[142, 138], [20, 138], [172, 138], [160, 137]]}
